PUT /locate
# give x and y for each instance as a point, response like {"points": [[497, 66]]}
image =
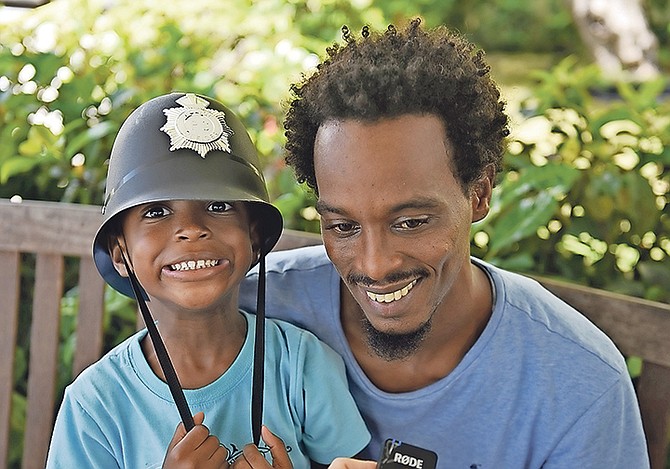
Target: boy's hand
{"points": [[195, 449], [346, 463], [252, 458]]}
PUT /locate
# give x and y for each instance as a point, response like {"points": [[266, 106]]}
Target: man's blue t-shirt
{"points": [[541, 387], [118, 413]]}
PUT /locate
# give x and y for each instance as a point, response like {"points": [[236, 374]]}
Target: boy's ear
{"points": [[117, 257], [480, 194], [255, 236]]}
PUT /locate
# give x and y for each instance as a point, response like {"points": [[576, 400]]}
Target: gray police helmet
{"points": [[182, 147]]}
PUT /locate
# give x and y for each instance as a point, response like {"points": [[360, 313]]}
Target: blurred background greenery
{"points": [[585, 197]]}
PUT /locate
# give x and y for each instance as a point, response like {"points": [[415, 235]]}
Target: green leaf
{"points": [[557, 178], [522, 220], [634, 365], [16, 166], [637, 202], [91, 134]]}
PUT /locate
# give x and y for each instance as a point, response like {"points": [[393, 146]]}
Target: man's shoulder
{"points": [[554, 348], [549, 320], [302, 286], [299, 259], [298, 343]]}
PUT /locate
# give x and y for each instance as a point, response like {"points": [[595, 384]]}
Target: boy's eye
{"points": [[219, 207], [156, 211]]}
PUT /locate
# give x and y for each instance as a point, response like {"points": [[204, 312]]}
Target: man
{"points": [[400, 135]]}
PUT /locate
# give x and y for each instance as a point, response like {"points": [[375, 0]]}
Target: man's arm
{"points": [[347, 463]]}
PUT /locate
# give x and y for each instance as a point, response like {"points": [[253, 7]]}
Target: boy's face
{"points": [[188, 255]]}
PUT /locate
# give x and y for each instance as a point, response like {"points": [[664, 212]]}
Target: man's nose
{"points": [[377, 256]]}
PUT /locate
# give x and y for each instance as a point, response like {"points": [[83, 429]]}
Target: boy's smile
{"points": [[194, 270], [193, 265]]}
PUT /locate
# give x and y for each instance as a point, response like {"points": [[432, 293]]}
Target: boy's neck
{"points": [[201, 349]]}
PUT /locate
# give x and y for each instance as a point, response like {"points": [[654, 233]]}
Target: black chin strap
{"points": [[161, 351], [259, 355]]}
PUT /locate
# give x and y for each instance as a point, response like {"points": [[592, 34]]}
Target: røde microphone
{"points": [[397, 454]]}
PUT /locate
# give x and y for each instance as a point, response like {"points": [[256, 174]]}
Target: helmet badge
{"points": [[196, 127]]}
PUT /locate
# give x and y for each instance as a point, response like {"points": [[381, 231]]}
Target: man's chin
{"points": [[392, 346]]}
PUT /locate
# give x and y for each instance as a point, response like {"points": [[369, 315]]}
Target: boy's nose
{"points": [[191, 227]]}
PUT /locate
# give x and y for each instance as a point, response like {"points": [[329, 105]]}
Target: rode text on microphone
{"points": [[397, 454]]}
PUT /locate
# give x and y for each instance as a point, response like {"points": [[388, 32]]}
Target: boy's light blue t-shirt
{"points": [[117, 413], [541, 387]]}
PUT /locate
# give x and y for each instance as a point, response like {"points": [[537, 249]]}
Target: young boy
{"points": [[187, 213]]}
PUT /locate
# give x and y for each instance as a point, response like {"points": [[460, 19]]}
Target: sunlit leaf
{"points": [[16, 166], [522, 220], [89, 135]]}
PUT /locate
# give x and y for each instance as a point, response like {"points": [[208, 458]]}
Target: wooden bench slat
{"points": [[653, 392], [291, 239], [89, 317], [9, 292], [53, 227], [43, 360]]}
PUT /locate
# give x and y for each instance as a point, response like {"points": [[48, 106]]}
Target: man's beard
{"points": [[395, 346]]}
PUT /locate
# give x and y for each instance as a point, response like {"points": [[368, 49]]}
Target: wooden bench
{"points": [[54, 231]]}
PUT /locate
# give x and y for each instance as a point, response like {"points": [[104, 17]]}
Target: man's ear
{"points": [[117, 257], [481, 192]]}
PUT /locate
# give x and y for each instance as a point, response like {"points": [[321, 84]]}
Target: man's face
{"points": [[395, 220]]}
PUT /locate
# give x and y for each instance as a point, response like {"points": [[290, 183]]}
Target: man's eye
{"points": [[411, 223], [219, 207], [343, 228]]}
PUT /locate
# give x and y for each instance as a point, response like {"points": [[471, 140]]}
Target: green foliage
{"points": [[585, 198], [496, 25], [586, 194]]}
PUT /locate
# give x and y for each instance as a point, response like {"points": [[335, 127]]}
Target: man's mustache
{"points": [[394, 277]]}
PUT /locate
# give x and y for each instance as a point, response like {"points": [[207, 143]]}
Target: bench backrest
{"points": [[55, 231]]}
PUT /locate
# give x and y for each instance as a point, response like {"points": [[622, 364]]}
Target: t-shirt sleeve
{"points": [[333, 426], [77, 441], [609, 434]]}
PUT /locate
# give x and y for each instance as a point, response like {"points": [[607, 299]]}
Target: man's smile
{"points": [[391, 296]]}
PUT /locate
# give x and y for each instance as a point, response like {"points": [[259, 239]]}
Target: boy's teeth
{"points": [[194, 265], [393, 296]]}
